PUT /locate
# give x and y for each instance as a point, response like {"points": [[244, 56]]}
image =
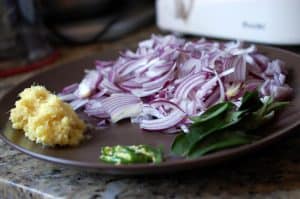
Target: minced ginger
{"points": [[46, 119]]}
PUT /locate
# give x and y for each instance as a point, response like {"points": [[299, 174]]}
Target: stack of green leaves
{"points": [[130, 154], [225, 125]]}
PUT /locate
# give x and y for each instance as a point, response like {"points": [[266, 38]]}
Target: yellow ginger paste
{"points": [[46, 119]]}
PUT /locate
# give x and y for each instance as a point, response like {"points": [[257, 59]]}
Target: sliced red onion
{"points": [[171, 120], [209, 85], [221, 86], [239, 51], [188, 66], [89, 84], [149, 110], [166, 103], [144, 92], [102, 124], [261, 60], [68, 94], [265, 88], [160, 81], [95, 108], [100, 65], [100, 94], [70, 89], [129, 85], [189, 81], [252, 84], [78, 103], [109, 86], [276, 66], [158, 70], [188, 106], [67, 97], [163, 123], [168, 79], [120, 106], [281, 92], [239, 65], [148, 113], [281, 78], [126, 111], [230, 46], [131, 66], [212, 99], [128, 54]]}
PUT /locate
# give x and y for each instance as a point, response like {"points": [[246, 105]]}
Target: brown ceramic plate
{"points": [[125, 133]]}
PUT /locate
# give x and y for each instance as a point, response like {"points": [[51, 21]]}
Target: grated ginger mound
{"points": [[46, 119]]}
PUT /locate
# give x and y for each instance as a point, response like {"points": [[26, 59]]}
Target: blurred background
{"points": [[33, 32]]}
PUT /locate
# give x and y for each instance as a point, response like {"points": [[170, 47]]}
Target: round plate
{"points": [[124, 133]]}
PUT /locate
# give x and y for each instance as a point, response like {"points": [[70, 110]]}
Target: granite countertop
{"points": [[270, 173], [273, 172]]}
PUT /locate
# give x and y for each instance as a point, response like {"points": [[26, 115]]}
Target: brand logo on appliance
{"points": [[253, 25]]}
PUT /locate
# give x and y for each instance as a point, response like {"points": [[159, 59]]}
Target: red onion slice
{"points": [[171, 120], [120, 106], [89, 84], [78, 103], [70, 89], [163, 123], [67, 97]]}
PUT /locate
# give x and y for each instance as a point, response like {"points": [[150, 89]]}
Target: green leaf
{"points": [[206, 134], [181, 143], [261, 116], [231, 140], [263, 110], [270, 105], [184, 142], [251, 101], [275, 106], [231, 118], [212, 112]]}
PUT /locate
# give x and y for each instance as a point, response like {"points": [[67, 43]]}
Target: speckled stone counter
{"points": [[273, 172], [270, 173]]}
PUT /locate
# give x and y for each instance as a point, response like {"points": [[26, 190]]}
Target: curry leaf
{"points": [[225, 117], [212, 112], [230, 140], [251, 101], [184, 142]]}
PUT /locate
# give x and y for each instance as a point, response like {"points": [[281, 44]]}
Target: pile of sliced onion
{"points": [[167, 79]]}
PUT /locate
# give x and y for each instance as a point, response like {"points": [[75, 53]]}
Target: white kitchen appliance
{"points": [[264, 21]]}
